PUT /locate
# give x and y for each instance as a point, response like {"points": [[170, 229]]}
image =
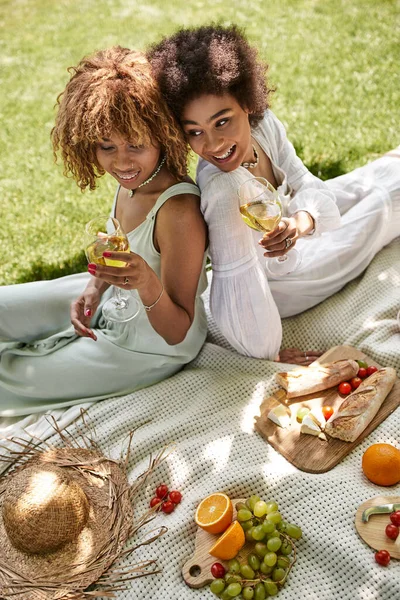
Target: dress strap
{"points": [[112, 213], [174, 190]]}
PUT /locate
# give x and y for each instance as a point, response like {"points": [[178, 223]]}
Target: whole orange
{"points": [[381, 464]]}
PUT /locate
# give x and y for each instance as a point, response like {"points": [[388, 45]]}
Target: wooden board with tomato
{"points": [[373, 532], [309, 453], [197, 570]]}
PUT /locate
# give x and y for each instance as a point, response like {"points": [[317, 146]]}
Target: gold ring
{"points": [[126, 280]]}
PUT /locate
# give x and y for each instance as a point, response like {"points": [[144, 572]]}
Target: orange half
{"points": [[229, 543], [214, 513]]}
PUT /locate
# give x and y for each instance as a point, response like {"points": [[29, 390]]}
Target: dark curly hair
{"points": [[113, 90], [212, 59]]}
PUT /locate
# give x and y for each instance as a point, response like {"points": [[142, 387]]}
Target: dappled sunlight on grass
{"points": [[339, 102]]}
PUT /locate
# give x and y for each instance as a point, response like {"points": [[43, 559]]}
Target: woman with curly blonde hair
{"points": [[112, 119]]}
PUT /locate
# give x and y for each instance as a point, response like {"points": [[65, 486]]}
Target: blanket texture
{"points": [[207, 412]]}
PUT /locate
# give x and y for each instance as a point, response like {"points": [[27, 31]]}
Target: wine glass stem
{"points": [[282, 258], [118, 297]]}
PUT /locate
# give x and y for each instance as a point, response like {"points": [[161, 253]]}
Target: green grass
{"points": [[335, 65]]}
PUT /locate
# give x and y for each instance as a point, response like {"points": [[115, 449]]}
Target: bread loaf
{"points": [[307, 380], [359, 408]]}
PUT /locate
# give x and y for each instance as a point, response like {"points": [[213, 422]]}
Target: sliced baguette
{"points": [[359, 408], [307, 380]]}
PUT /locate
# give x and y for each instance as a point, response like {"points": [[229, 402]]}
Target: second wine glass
{"points": [[261, 210], [103, 234]]}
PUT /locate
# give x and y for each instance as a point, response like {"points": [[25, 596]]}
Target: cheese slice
{"points": [[318, 418], [310, 427], [280, 415]]}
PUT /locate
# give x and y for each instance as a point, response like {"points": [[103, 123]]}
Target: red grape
{"points": [[382, 558], [218, 570], [168, 507], [175, 496], [162, 491], [395, 518], [392, 531]]}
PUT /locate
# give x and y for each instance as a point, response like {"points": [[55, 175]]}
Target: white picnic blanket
{"points": [[207, 411]]}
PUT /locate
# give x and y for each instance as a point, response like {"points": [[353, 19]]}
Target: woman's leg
{"points": [[30, 311]]}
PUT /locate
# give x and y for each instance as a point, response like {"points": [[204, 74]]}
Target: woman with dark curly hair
{"points": [[112, 119], [215, 84]]}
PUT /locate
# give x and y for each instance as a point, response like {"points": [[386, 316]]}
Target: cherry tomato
{"points": [[155, 502], [392, 531], [175, 496], [395, 518], [371, 370], [168, 507], [327, 411], [218, 571], [162, 491], [355, 382], [362, 373], [344, 388], [382, 558]]}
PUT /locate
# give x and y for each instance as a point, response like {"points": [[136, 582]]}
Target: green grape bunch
{"points": [[271, 558]]}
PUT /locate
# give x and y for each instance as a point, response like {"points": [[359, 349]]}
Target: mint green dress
{"points": [[45, 365]]}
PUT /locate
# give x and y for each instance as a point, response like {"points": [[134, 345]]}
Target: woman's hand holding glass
{"points": [[261, 210], [274, 242], [107, 250], [134, 275]]}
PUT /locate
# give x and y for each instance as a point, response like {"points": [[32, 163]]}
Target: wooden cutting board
{"points": [[197, 570], [373, 531], [306, 452]]}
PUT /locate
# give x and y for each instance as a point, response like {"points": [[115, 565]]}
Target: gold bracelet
{"points": [[154, 303]]}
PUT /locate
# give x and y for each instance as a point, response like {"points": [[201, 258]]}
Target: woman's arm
{"points": [[180, 235], [311, 194], [240, 299]]}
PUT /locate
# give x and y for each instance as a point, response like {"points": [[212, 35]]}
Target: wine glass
{"points": [[102, 234], [261, 210]]}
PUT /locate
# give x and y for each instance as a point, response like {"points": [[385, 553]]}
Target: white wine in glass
{"points": [[103, 234], [261, 210]]}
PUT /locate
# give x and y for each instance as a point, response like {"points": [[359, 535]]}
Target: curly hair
{"points": [[212, 59], [113, 90]]}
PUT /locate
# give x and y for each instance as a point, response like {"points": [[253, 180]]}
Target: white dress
{"points": [[355, 215], [45, 365]]}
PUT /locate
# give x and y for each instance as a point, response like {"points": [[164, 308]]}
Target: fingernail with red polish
{"points": [[106, 254], [92, 266], [92, 271], [88, 312]]}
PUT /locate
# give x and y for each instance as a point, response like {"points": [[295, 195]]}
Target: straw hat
{"points": [[65, 515]]}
